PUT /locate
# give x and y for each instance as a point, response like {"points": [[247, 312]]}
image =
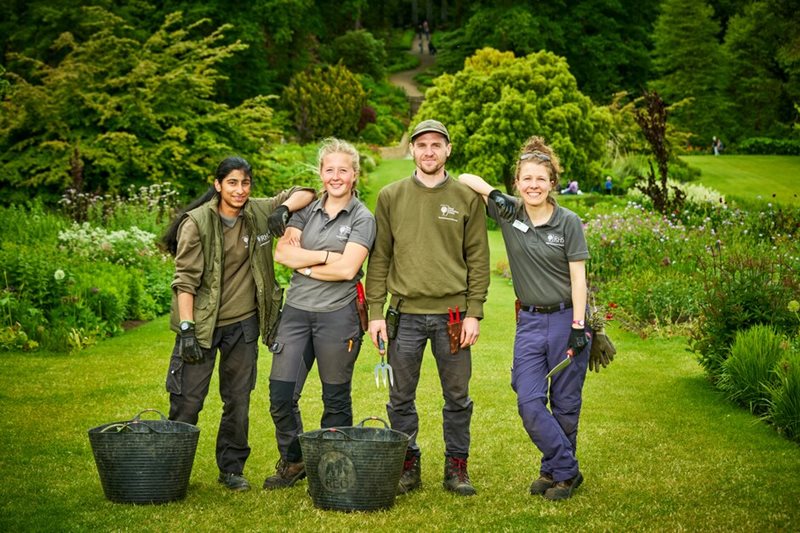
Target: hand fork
{"points": [[383, 370]]}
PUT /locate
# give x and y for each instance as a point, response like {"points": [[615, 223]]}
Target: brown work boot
{"points": [[456, 478], [411, 478], [564, 489], [542, 483], [286, 475]]}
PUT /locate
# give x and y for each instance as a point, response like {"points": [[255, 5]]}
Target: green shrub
{"points": [[748, 373], [325, 101], [359, 51], [766, 146], [744, 285], [784, 397]]}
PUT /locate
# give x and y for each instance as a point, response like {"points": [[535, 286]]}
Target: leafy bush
{"points": [[359, 51], [123, 108], [784, 397], [766, 146], [742, 288], [128, 247], [748, 374], [325, 101]]}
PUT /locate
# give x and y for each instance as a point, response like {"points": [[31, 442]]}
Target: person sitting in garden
{"points": [[572, 188]]}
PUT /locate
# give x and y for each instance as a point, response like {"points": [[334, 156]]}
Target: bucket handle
{"points": [[333, 431], [138, 416], [385, 425]]}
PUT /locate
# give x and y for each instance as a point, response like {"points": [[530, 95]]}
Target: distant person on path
{"points": [[224, 296], [716, 145], [608, 185], [547, 252], [325, 243], [431, 254], [426, 29], [431, 47]]}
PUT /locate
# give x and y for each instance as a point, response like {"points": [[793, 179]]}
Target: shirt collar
{"points": [[440, 184], [319, 204]]}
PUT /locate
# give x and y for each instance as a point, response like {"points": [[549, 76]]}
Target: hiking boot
{"points": [[234, 482], [542, 483], [564, 489], [456, 478], [411, 477], [286, 475]]}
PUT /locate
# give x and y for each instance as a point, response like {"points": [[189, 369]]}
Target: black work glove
{"points": [[602, 352], [277, 220], [578, 339], [507, 208], [190, 351]]}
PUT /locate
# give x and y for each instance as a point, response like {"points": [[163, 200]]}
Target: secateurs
{"points": [[383, 370]]}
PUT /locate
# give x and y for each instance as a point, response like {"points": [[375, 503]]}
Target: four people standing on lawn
{"points": [[547, 252], [431, 255], [224, 296], [325, 244]]}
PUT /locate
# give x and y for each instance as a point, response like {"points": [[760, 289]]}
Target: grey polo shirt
{"points": [[539, 256], [355, 224]]}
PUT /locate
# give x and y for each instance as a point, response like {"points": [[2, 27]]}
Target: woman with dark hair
{"points": [[224, 296], [326, 243], [547, 253]]}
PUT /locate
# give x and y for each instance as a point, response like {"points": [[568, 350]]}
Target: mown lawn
{"points": [[660, 450], [771, 178]]}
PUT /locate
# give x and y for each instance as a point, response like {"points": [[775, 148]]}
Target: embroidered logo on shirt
{"points": [[555, 240], [263, 239], [448, 213], [344, 232]]}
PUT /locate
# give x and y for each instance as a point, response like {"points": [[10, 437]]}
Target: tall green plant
{"points": [[784, 397], [749, 372]]}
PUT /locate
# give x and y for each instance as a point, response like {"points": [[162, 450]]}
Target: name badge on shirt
{"points": [[520, 226]]}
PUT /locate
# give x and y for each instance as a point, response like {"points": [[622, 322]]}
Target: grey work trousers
{"points": [[188, 386], [331, 338], [455, 370]]}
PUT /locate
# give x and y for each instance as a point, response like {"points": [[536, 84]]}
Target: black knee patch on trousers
{"points": [[338, 405]]}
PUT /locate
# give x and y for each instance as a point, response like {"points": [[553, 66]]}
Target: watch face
{"points": [[185, 326]]}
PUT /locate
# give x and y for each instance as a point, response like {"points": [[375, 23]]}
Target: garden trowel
{"points": [[562, 365]]}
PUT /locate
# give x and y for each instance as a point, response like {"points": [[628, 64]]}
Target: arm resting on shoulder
{"points": [[299, 199], [477, 184]]}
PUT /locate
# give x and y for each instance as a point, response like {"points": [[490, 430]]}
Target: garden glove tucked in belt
{"points": [[190, 351]]}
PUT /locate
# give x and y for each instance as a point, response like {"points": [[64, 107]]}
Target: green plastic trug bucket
{"points": [[354, 468], [144, 461]]}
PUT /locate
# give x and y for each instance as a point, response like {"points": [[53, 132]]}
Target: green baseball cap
{"points": [[427, 126]]}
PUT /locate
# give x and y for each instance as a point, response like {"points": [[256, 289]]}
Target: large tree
{"points": [[117, 111], [497, 101], [689, 63]]}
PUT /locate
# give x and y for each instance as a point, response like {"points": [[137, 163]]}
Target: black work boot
{"points": [[542, 483], [286, 474], [564, 489], [456, 478], [411, 477], [234, 482]]}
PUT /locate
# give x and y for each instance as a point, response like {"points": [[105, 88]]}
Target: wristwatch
{"points": [[186, 324], [307, 271], [579, 323]]}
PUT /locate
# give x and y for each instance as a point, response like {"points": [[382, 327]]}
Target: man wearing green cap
{"points": [[432, 256]]}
